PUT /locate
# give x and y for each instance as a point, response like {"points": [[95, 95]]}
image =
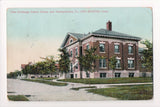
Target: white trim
{"points": [[118, 57], [116, 43], [130, 44], [130, 58], [102, 42]]}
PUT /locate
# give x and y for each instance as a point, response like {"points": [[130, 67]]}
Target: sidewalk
{"points": [[74, 85]]}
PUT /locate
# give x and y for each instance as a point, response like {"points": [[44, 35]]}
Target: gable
{"points": [[70, 40]]}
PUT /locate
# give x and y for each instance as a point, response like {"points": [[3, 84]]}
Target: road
{"points": [[44, 92]]}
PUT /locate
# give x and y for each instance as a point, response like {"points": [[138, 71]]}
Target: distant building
{"points": [[24, 65]]}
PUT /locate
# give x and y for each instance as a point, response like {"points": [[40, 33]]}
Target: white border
{"points": [[155, 4]]}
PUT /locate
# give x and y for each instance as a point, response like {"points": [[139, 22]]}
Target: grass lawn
{"points": [[135, 92], [77, 88], [46, 82], [47, 78], [17, 98], [109, 80]]}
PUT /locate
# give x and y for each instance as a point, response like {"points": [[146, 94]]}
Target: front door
{"points": [[72, 76]]}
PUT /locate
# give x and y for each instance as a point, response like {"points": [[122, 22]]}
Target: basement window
{"points": [[102, 75], [117, 75]]}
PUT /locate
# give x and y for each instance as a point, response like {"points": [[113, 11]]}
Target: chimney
{"points": [[109, 26]]}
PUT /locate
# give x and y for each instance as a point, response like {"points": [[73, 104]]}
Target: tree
{"points": [[27, 69], [14, 74], [64, 61], [40, 67], [87, 61], [147, 55], [112, 64], [49, 64]]}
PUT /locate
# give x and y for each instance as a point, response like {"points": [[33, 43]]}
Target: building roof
{"points": [[101, 32], [114, 34], [78, 35]]}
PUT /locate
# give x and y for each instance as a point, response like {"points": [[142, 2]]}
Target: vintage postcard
{"points": [[79, 54]]}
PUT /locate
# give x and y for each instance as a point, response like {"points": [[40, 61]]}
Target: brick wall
{"points": [[109, 52]]}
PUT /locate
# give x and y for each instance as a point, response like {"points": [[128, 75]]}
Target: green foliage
{"points": [[17, 98], [136, 92], [87, 61], [47, 66], [112, 62], [27, 69], [14, 74], [109, 80], [46, 82], [147, 58], [64, 61]]}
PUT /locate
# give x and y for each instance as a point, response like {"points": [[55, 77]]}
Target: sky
{"points": [[38, 32]]}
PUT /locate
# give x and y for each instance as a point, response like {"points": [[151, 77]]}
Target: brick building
{"points": [[108, 43]]}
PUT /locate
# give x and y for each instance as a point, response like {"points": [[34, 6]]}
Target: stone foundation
{"points": [[109, 74]]}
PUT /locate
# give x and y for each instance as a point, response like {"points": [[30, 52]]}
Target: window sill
{"points": [[102, 52], [103, 68], [118, 68], [131, 68], [130, 53], [116, 52]]}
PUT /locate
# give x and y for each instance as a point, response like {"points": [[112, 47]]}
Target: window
{"points": [[117, 75], [71, 40], [130, 63], [118, 64], [102, 75], [102, 63], [101, 47], [72, 75], [130, 49], [131, 74], [76, 51], [87, 47], [71, 68], [71, 53], [116, 48]]}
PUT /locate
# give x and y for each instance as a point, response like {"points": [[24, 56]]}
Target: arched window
{"points": [[71, 40]]}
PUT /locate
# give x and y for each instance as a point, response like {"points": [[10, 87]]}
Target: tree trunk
{"points": [[81, 74], [112, 73]]}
